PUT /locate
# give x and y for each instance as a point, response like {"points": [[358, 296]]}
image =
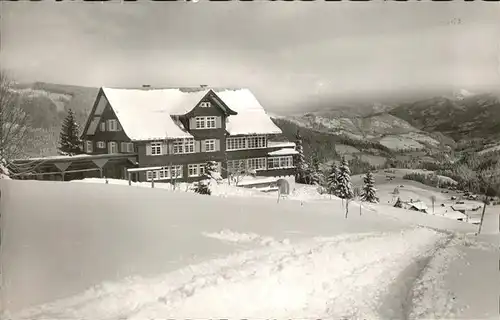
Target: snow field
{"points": [[136, 253], [343, 276]]}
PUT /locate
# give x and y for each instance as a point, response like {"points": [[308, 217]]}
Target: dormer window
{"points": [[205, 105]]}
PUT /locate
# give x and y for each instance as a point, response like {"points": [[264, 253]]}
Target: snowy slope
{"points": [[103, 251]]}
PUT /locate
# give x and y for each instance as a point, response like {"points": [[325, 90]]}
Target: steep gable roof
{"points": [[146, 114]]}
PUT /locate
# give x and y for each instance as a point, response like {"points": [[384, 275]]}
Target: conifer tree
{"points": [[69, 138], [369, 191], [344, 186], [314, 174], [211, 173], [331, 181], [300, 161]]}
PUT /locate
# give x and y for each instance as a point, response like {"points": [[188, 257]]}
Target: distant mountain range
{"points": [[433, 123]]}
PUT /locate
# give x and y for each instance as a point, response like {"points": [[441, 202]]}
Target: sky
{"points": [[291, 55]]}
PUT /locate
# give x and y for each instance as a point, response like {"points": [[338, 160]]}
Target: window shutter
{"points": [[218, 122], [203, 146], [164, 147], [118, 126], [192, 123], [170, 147], [217, 145], [148, 149], [123, 146], [197, 144]]}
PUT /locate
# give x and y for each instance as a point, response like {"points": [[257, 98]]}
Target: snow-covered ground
{"points": [[104, 251]]}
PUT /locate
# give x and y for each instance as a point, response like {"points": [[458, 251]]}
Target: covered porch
{"points": [[66, 168]]}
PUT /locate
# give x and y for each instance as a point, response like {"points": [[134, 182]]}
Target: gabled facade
{"points": [[176, 131]]}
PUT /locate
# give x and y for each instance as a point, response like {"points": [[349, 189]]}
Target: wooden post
{"points": [[100, 172], [62, 175], [152, 182], [279, 195], [482, 218], [129, 178]]}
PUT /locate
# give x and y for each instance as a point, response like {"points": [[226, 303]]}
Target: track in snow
{"points": [[344, 276]]}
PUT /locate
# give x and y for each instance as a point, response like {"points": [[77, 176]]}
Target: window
{"points": [[155, 148], [103, 126], [101, 145], [210, 145], [89, 146], [280, 162], [206, 122], [188, 145], [196, 170], [238, 143], [211, 123], [112, 147], [176, 172], [165, 173], [235, 143], [127, 147], [256, 163], [200, 123], [256, 142], [205, 105], [183, 146], [113, 125]]}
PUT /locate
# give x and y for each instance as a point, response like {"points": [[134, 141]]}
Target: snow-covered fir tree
{"points": [[202, 187], [344, 186], [313, 173], [369, 192], [69, 138], [332, 179], [212, 171], [300, 161], [211, 174]]}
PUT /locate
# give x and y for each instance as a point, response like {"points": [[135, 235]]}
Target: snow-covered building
{"points": [[175, 131]]}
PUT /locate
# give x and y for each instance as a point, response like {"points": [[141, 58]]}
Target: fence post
{"points": [[482, 217], [152, 182]]}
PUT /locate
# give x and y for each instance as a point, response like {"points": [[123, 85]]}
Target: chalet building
{"points": [[172, 133]]}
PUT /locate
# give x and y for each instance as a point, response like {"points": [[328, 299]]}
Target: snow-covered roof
{"points": [[282, 144], [418, 205], [283, 152], [454, 215], [251, 117], [145, 114]]}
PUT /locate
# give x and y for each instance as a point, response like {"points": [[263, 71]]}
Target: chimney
{"points": [[203, 85], [146, 86]]}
